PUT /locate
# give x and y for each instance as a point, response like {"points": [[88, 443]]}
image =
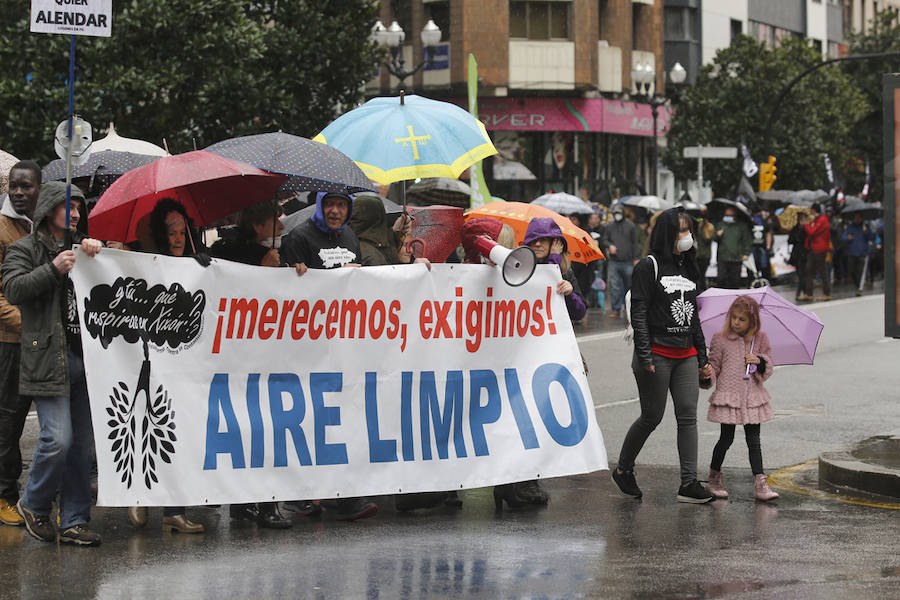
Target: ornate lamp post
{"points": [[644, 76], [392, 38]]}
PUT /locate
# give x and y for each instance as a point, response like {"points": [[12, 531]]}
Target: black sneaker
{"points": [[270, 517], [243, 512], [39, 526], [304, 508], [80, 535], [694, 493], [351, 509], [627, 483]]}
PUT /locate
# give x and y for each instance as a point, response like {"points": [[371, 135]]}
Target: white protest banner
{"points": [[233, 383], [72, 17]]}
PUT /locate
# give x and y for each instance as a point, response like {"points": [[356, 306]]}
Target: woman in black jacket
{"points": [[669, 350]]}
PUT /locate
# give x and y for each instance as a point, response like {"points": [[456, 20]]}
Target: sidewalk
{"points": [[597, 320]]}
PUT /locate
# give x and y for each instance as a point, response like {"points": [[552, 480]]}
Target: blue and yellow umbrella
{"points": [[399, 138]]}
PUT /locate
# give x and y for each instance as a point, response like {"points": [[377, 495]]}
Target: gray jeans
{"points": [[681, 377]]}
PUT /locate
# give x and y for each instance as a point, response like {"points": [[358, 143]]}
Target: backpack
{"points": [[628, 336]]}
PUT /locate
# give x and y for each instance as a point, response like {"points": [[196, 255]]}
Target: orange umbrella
{"points": [[582, 247]]}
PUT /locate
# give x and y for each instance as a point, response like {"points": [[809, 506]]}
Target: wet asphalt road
{"points": [[590, 542]]}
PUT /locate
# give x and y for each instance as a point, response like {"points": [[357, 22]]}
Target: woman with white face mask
{"points": [[669, 350], [257, 239]]}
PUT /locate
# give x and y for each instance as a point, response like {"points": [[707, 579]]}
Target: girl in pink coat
{"points": [[741, 361]]}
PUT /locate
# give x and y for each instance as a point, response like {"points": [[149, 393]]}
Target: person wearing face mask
{"points": [[620, 242], [669, 351], [735, 238], [257, 243], [258, 238], [818, 243]]}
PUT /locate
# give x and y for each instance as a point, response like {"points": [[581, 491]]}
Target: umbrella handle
{"points": [[747, 373], [414, 241]]}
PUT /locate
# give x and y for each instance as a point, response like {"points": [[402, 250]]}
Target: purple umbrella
{"points": [[793, 332]]}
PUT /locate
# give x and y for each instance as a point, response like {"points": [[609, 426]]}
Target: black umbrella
{"points": [[690, 207], [309, 165], [717, 208], [773, 199], [102, 167], [439, 190], [868, 210]]}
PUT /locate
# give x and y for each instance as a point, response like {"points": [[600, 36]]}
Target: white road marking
{"points": [[593, 337], [619, 403]]}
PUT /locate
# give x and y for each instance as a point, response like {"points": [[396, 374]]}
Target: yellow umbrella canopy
{"points": [[788, 217]]}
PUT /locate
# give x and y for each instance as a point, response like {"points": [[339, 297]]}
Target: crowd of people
{"points": [[41, 361]]}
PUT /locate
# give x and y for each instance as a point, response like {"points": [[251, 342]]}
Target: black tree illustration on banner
{"points": [[142, 423], [155, 427]]}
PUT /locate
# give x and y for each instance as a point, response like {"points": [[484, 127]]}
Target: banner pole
{"points": [[71, 115]]}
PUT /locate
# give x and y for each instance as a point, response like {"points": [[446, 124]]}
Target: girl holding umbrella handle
{"points": [[669, 350]]}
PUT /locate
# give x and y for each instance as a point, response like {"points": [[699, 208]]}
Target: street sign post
{"points": [[701, 152], [891, 103], [71, 17]]}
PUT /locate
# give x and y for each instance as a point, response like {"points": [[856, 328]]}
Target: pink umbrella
{"points": [[793, 332]]}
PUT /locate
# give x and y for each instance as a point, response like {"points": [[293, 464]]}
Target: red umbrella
{"points": [[210, 187]]}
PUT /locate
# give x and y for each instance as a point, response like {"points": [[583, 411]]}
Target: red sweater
{"points": [[818, 235]]}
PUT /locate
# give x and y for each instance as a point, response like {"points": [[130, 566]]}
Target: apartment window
{"points": [[680, 23], [736, 29], [771, 36], [439, 12], [539, 20], [817, 44]]}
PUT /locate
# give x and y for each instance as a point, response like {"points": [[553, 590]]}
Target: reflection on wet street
{"points": [[590, 542]]}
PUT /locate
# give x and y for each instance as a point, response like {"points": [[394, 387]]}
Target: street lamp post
{"points": [[644, 76], [392, 38]]}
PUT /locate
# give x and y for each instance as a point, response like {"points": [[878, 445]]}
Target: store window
{"points": [[539, 20]]}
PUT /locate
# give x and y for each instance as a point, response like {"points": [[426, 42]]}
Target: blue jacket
{"points": [[862, 238]]}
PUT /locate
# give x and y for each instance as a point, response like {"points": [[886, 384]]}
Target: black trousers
{"points": [[754, 447], [729, 276], [816, 264], [13, 411]]}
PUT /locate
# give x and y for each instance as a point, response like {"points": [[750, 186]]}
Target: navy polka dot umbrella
{"points": [[310, 166], [102, 167]]}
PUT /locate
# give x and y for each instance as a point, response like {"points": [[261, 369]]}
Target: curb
{"points": [[860, 469]]}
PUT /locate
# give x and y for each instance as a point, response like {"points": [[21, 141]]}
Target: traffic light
{"points": [[767, 174]]}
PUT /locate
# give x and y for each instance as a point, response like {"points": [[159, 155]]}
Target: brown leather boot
{"points": [[763, 491], [181, 524]]}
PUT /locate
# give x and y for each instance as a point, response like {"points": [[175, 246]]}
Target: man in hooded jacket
{"points": [[35, 278], [325, 240]]}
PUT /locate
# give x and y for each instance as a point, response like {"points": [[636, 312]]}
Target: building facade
{"points": [[694, 30], [555, 87]]}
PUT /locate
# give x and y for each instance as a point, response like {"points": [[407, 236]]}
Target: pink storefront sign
{"points": [[633, 118], [569, 114]]}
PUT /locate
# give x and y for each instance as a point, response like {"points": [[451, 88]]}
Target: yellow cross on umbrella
{"points": [[412, 140]]}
